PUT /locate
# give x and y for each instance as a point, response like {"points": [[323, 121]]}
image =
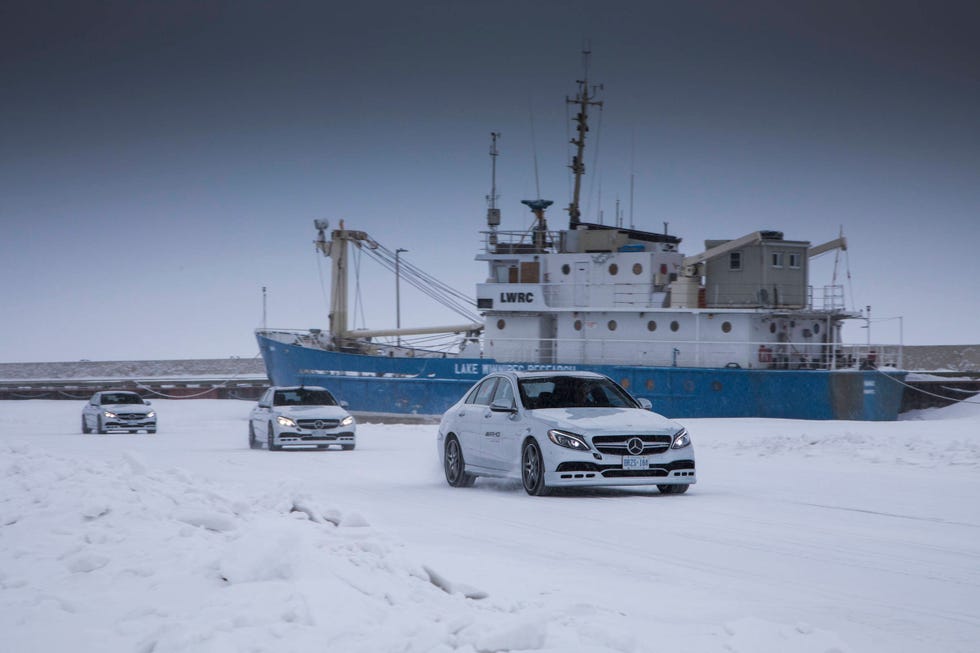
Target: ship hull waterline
{"points": [[429, 386]]}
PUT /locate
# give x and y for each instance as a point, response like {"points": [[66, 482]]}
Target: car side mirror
{"points": [[147, 402], [645, 403], [503, 408], [344, 404], [261, 405]]}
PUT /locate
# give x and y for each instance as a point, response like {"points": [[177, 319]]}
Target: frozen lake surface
{"points": [[823, 537]]}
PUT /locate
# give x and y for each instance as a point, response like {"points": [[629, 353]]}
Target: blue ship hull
{"points": [[429, 386]]}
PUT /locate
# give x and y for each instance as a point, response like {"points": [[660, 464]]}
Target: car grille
{"points": [[130, 417], [317, 424], [617, 444]]}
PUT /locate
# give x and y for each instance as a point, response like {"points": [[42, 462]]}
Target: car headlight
{"points": [[151, 414], [347, 421], [108, 413], [285, 421], [681, 440], [567, 440]]}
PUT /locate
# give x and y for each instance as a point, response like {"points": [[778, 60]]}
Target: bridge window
{"points": [[794, 260], [777, 259]]}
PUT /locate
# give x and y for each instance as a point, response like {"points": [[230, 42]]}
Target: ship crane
{"points": [[336, 249]]}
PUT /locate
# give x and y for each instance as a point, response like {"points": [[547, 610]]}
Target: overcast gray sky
{"points": [[161, 162]]}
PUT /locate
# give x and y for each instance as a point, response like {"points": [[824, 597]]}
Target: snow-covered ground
{"points": [[799, 537]]}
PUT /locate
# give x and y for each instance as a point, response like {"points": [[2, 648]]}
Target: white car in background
{"points": [[300, 416], [562, 429], [118, 410]]}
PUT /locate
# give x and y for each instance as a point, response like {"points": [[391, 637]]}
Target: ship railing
{"points": [[519, 242], [646, 295], [305, 337], [690, 353]]}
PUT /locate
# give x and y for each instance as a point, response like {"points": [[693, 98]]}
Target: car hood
{"points": [[587, 421], [312, 412], [127, 408]]}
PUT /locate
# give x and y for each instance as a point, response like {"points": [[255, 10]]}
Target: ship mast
{"points": [[584, 100], [493, 213]]}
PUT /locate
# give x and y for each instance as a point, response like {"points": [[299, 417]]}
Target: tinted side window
{"points": [[483, 393]]}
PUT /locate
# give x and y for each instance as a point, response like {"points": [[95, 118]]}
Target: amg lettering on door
{"points": [[517, 298]]}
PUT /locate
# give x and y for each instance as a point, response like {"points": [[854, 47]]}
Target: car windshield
{"points": [[573, 392], [121, 398], [303, 397]]}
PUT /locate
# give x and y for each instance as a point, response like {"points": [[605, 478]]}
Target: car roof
{"points": [[547, 374], [298, 387]]}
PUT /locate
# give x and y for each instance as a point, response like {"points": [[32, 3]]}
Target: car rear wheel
{"points": [[85, 428], [271, 439], [253, 443], [673, 489], [454, 465], [532, 470]]}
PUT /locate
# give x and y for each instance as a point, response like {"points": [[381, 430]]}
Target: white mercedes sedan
{"points": [[562, 429]]}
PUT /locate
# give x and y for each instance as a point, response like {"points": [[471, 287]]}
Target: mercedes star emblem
{"points": [[634, 446]]}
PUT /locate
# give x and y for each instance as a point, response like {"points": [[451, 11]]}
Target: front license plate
{"points": [[635, 462], [319, 433]]}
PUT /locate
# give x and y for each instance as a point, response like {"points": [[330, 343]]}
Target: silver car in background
{"points": [[562, 429], [118, 410], [307, 416]]}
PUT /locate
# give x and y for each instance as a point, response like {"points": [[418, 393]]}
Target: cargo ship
{"points": [[736, 330]]}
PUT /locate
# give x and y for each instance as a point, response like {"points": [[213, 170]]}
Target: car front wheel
{"points": [[455, 466], [673, 489], [253, 443], [532, 470], [271, 439], [101, 428], [85, 428]]}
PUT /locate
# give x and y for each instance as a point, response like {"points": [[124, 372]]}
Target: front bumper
{"points": [[302, 436], [608, 472], [120, 423]]}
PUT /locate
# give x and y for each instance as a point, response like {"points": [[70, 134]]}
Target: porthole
{"points": [[651, 384], [578, 325], [816, 327], [652, 325], [637, 269], [612, 325], [625, 383], [501, 324], [675, 325], [689, 385], [726, 327], [772, 327], [565, 269], [613, 269], [716, 386]]}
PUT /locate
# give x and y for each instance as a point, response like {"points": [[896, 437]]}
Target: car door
{"points": [[470, 419], [501, 430], [89, 413], [260, 416]]}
